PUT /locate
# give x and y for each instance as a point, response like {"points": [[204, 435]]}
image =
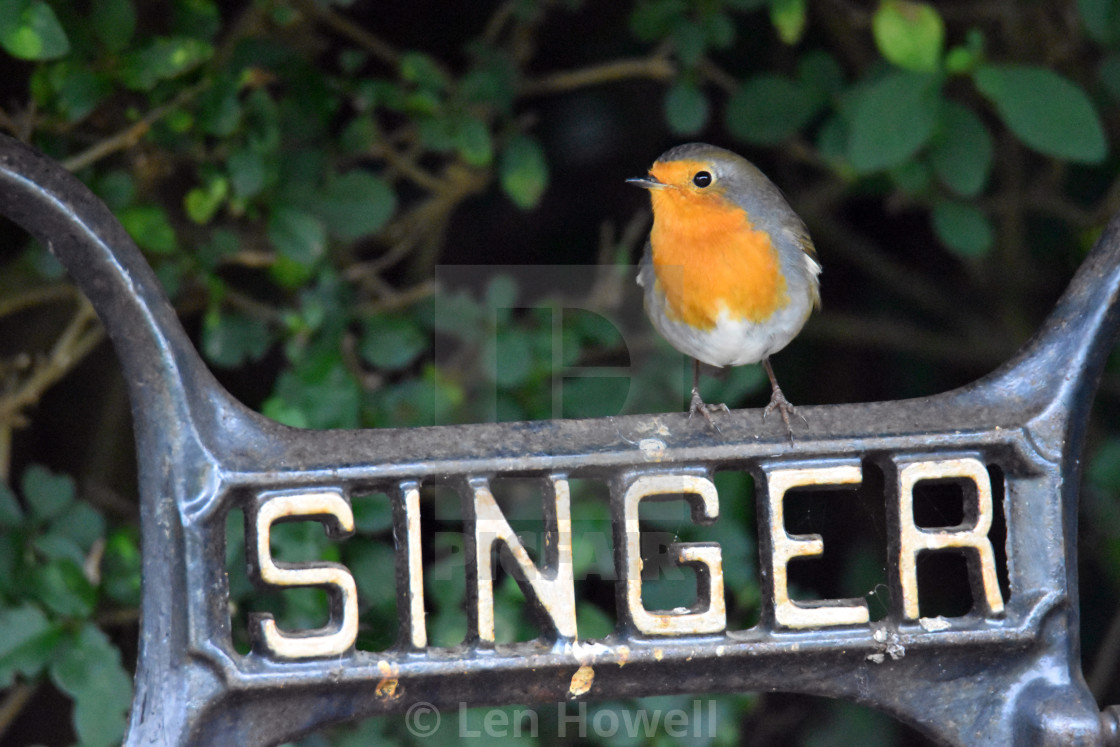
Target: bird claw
{"points": [[779, 402], [697, 405]]}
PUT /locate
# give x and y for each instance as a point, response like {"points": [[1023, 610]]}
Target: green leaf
{"points": [[372, 513], [392, 342], [508, 357], [202, 203], [688, 38], [59, 547], [114, 22], [501, 295], [230, 339], [964, 59], [770, 108], [170, 276], [355, 204], [912, 177], [686, 108], [100, 715], [79, 91], [1104, 468], [961, 61], [61, 586], [494, 82], [20, 625], [297, 235], [1109, 75], [290, 414], [962, 150], [30, 30], [82, 523], [1049, 113], [11, 515], [47, 494], [163, 59], [459, 315], [201, 18], [287, 273], [832, 143], [89, 671], [261, 122], [79, 667], [372, 563], [120, 567], [12, 549], [789, 17], [963, 228], [421, 69], [820, 72], [594, 396], [325, 394], [891, 119], [909, 34], [524, 171], [247, 172], [593, 621], [1101, 19], [472, 140], [359, 135], [652, 21], [436, 131], [150, 228], [219, 109], [719, 30], [116, 188], [28, 643]]}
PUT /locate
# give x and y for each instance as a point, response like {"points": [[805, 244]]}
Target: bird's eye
{"points": [[702, 179]]}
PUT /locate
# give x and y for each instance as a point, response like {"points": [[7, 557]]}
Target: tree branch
{"points": [[36, 297], [819, 210], [653, 68], [343, 26], [131, 135], [891, 334], [75, 342], [14, 702]]}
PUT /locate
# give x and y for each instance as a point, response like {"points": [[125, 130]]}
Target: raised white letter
{"points": [[784, 547], [709, 614], [331, 640], [553, 590], [913, 539]]}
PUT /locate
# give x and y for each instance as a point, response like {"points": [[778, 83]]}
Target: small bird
{"points": [[729, 272]]}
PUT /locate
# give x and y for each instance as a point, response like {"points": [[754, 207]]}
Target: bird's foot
{"points": [[697, 405], [779, 402]]}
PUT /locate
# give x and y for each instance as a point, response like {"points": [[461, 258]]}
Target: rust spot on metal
{"points": [[581, 681], [387, 689]]}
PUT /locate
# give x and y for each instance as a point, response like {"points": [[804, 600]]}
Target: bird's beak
{"points": [[647, 182]]}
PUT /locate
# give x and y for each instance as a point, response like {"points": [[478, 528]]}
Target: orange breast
{"points": [[708, 257]]}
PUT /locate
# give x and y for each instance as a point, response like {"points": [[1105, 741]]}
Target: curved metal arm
{"points": [[77, 227]]}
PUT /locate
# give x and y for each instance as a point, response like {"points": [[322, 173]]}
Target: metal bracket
{"points": [[1006, 673]]}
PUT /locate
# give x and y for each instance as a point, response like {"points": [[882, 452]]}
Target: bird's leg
{"points": [[699, 405], [779, 402]]}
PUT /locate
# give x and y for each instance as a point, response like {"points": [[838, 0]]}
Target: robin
{"points": [[729, 272]]}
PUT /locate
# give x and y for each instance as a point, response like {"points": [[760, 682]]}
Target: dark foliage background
{"points": [[308, 177]]}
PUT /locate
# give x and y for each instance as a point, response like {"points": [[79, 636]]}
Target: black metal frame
{"points": [[1011, 678]]}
